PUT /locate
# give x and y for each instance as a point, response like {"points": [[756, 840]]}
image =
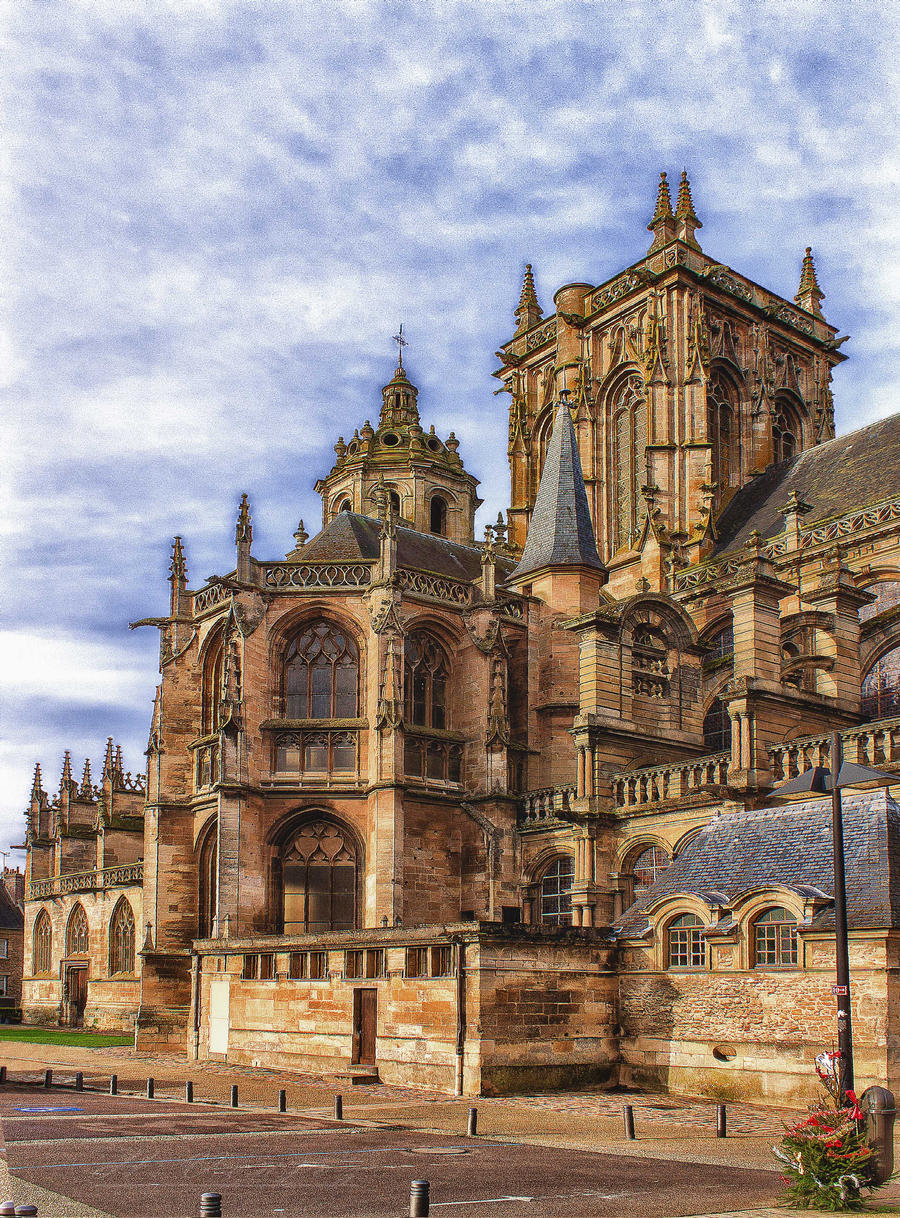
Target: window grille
{"points": [[686, 946], [775, 939], [556, 891]]}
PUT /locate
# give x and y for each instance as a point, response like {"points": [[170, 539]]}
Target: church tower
{"points": [[423, 475]]}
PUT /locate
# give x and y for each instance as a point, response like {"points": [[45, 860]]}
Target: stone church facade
{"points": [[495, 814]]}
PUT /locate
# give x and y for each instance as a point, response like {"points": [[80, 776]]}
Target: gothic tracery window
{"points": [[42, 957], [212, 689], [77, 939], [321, 674], [628, 413], [785, 432], [724, 431], [425, 681], [121, 939], [320, 877]]}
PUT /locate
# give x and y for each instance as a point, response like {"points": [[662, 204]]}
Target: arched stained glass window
{"points": [[121, 939], [320, 878], [42, 954], [775, 939], [556, 891], [425, 681], [628, 414], [77, 938], [716, 728], [880, 690], [321, 674], [686, 948]]}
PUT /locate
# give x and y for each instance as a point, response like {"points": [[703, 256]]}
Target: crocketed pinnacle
{"points": [[684, 207], [529, 312], [810, 295], [560, 533], [244, 531], [177, 567], [663, 202], [87, 786], [108, 760], [65, 780], [37, 789]]}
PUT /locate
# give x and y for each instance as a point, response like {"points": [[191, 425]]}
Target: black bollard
{"points": [[234, 1095], [282, 1101], [473, 1122], [338, 1107], [8, 1207], [2, 1074], [150, 1088], [211, 1205], [419, 1199], [79, 1081], [48, 1078], [628, 1113], [114, 1084], [26, 1211], [721, 1119]]}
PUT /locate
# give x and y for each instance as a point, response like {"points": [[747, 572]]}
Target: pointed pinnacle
{"points": [[177, 567], [244, 530], [120, 764], [108, 759], [66, 776], [663, 202], [36, 786], [528, 313], [87, 786], [684, 207], [808, 280]]}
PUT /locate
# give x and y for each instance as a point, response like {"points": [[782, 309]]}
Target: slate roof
{"points": [[11, 917], [851, 471], [350, 537], [560, 532], [790, 844]]}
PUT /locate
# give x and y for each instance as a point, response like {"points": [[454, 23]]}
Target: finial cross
{"points": [[401, 343]]}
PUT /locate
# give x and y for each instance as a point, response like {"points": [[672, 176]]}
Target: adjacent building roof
{"points": [[560, 533], [790, 845], [350, 537], [851, 471], [11, 916]]}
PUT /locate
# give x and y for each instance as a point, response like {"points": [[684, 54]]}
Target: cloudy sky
{"points": [[217, 214]]}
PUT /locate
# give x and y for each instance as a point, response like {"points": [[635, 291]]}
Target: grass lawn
{"points": [[63, 1036]]}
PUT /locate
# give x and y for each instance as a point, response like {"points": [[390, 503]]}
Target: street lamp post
{"points": [[818, 781]]}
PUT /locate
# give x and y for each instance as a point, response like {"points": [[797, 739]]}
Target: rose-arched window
{"points": [[880, 690], [628, 415], [121, 939], [42, 944], [321, 674], [425, 680], [555, 897], [775, 939], [77, 939], [320, 879]]}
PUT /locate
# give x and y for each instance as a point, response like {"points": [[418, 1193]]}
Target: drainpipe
{"points": [[460, 949], [195, 1003]]}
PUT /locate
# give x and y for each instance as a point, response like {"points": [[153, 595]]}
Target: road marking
{"points": [[480, 1201], [296, 1154], [45, 1110]]}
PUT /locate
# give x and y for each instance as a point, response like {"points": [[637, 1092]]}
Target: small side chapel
{"points": [[496, 814]]}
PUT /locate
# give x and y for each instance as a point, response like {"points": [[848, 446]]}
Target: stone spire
{"points": [[109, 764], [177, 578], [663, 223], [560, 533], [87, 786], [685, 217], [37, 789], [243, 536], [810, 296], [528, 313], [65, 780]]}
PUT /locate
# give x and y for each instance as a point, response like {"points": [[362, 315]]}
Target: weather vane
{"points": [[401, 343]]}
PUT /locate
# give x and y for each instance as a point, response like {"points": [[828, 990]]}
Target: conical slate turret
{"points": [[560, 533]]}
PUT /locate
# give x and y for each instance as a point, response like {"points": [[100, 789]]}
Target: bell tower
{"points": [[423, 475]]}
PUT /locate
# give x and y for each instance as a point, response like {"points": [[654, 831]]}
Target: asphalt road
{"points": [[138, 1158]]}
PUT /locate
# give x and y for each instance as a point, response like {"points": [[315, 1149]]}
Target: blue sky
{"points": [[216, 215]]}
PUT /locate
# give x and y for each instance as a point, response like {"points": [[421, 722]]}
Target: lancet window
{"points": [[716, 728], [207, 884], [321, 674], [724, 431], [425, 682], [785, 432], [320, 874], [42, 944], [77, 939], [628, 414], [121, 939]]}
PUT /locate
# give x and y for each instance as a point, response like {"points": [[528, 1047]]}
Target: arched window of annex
{"points": [[787, 432], [318, 874], [211, 691], [207, 880], [42, 944], [724, 424], [626, 414], [774, 938], [880, 687], [321, 673], [685, 945], [641, 868], [77, 937], [554, 891], [437, 515], [121, 938], [716, 727]]}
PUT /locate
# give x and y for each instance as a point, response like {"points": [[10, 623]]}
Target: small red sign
{"points": [[840, 991]]}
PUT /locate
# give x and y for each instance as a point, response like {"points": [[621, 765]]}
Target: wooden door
{"points": [[365, 1017], [77, 996]]}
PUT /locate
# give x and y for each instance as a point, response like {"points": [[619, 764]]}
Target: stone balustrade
{"points": [[546, 806], [656, 784], [86, 881], [873, 744]]}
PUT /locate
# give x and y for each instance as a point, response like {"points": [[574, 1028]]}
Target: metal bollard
{"points": [[628, 1113], [721, 1121], [211, 1205], [282, 1101], [189, 1092], [880, 1111], [419, 1199], [114, 1084], [150, 1088], [79, 1081], [26, 1211], [48, 1078], [8, 1207], [2, 1074], [338, 1107], [473, 1122], [234, 1095]]}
